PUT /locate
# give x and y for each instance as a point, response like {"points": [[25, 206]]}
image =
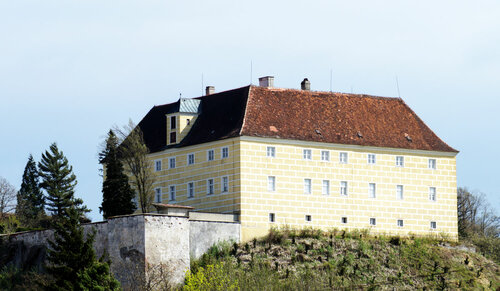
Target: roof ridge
{"points": [[246, 108]]}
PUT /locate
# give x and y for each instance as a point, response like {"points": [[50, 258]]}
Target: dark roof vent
{"points": [[305, 85], [408, 137]]}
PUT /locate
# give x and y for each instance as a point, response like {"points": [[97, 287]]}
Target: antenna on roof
{"points": [[180, 95], [251, 71], [331, 80], [397, 85], [202, 85]]}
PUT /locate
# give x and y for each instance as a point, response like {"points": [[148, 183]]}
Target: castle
{"points": [[297, 157]]}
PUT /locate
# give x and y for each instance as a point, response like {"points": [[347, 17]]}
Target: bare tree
{"points": [[134, 153], [475, 215], [7, 197]]}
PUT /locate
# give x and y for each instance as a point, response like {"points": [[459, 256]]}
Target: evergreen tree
{"points": [[72, 260], [30, 200], [59, 182], [117, 194]]}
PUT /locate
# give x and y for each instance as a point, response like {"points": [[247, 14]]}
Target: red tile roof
{"points": [[337, 118], [300, 115]]}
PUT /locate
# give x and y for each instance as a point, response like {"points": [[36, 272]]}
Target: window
{"points": [[343, 220], [271, 152], [173, 122], [190, 189], [307, 155], [432, 193], [343, 158], [325, 156], [373, 221], [372, 190], [158, 195], [400, 223], [307, 186], [308, 218], [400, 161], [173, 137], [171, 163], [433, 225], [225, 184], [188, 121], [271, 217], [210, 155], [190, 159], [210, 186], [399, 192], [271, 183], [326, 187], [371, 159], [343, 188], [158, 165], [432, 164], [172, 193], [225, 152]]}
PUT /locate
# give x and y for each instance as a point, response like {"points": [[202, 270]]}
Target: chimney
{"points": [[305, 85], [209, 90], [267, 81]]}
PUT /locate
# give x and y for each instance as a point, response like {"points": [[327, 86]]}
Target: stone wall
{"points": [[138, 245]]}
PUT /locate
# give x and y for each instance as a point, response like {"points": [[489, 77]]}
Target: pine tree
{"points": [[59, 182], [72, 260], [117, 194], [30, 200]]}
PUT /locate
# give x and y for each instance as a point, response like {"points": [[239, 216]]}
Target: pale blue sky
{"points": [[69, 70]]}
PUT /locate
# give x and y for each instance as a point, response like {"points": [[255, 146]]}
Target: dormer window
{"points": [[173, 137], [173, 122], [188, 121]]}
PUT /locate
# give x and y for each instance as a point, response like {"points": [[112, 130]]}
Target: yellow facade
{"points": [[428, 205]]}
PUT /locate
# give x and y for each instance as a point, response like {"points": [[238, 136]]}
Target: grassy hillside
{"points": [[313, 260]]}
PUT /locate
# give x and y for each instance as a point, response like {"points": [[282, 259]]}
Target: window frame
{"points": [[190, 187], [224, 152], [307, 186], [173, 125], [158, 162], [308, 218], [433, 225], [344, 185], [341, 159], [400, 223], [172, 162], [210, 186], [224, 184], [344, 220], [272, 217], [432, 194], [432, 164], [325, 155], [270, 151], [271, 183], [210, 155], [325, 190], [372, 190], [373, 221], [189, 161], [400, 161], [307, 154], [400, 195], [158, 195], [372, 159], [172, 193]]}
